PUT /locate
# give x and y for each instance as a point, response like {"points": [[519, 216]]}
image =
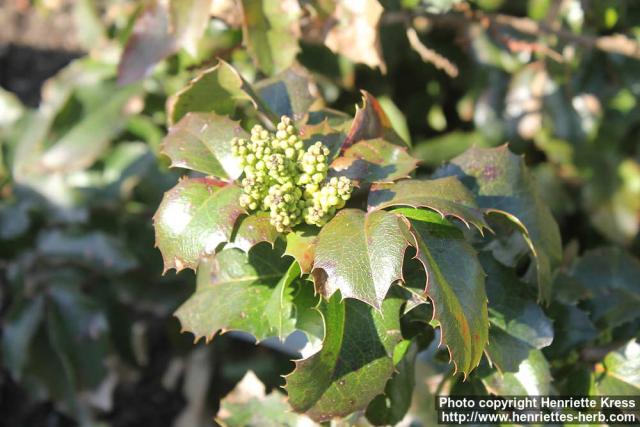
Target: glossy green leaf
{"points": [[611, 276], [502, 183], [238, 291], [391, 407], [288, 93], [354, 363], [517, 323], [254, 229], [455, 285], [301, 245], [621, 371], [202, 142], [269, 29], [371, 122], [360, 254], [218, 89], [447, 196], [193, 219], [533, 378], [374, 160]]}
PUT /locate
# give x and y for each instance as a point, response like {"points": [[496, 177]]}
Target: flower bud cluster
{"points": [[284, 179]]}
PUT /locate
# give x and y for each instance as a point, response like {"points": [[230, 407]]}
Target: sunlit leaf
{"points": [[371, 122], [356, 359], [447, 196], [202, 142], [248, 292], [360, 254], [301, 245], [269, 28], [218, 89], [193, 218], [502, 184], [619, 373], [374, 160], [254, 229], [454, 283]]}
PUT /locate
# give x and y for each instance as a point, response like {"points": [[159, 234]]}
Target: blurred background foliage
{"points": [[88, 336]]}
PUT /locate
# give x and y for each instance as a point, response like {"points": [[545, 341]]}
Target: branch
{"points": [[430, 55], [616, 43]]}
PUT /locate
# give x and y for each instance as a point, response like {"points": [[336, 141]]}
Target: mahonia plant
{"points": [[284, 179], [314, 221]]}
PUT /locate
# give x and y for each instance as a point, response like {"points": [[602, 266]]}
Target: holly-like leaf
{"points": [[374, 160], [619, 373], [238, 291], [611, 275], [447, 196], [219, 89], [355, 361], [391, 407], [289, 93], [202, 142], [301, 245], [533, 378], [269, 32], [518, 325], [254, 229], [502, 183], [454, 284], [193, 218], [371, 122], [360, 254], [150, 42]]}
